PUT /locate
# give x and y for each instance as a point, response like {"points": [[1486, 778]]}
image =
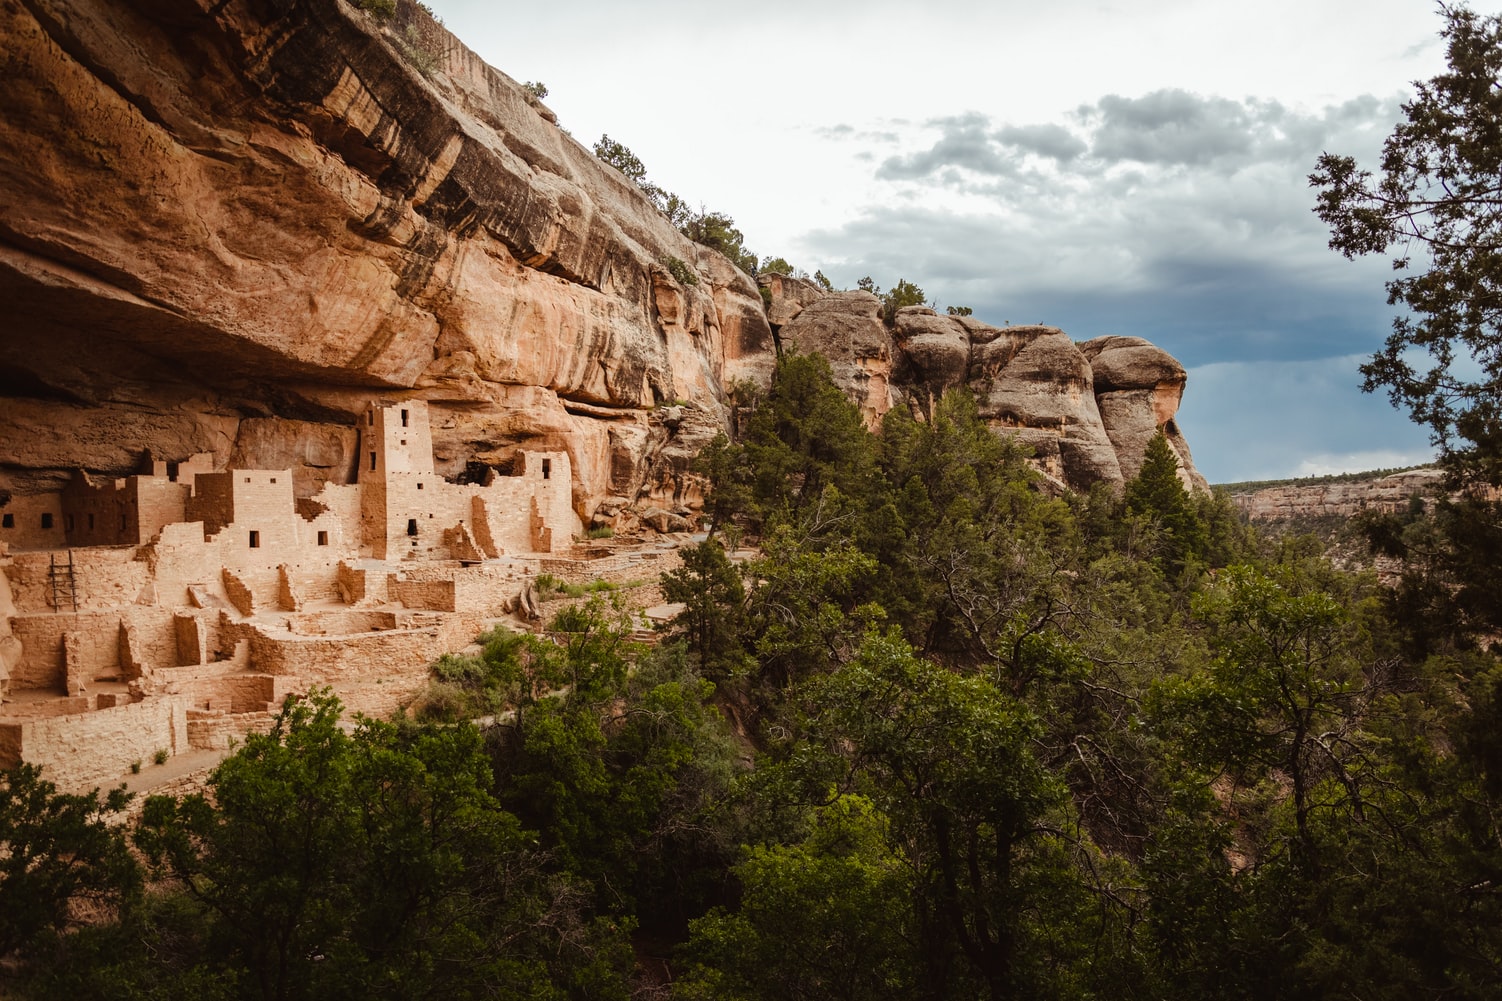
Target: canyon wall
{"points": [[230, 226], [1294, 501]]}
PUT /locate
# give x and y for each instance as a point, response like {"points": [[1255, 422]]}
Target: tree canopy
{"points": [[1434, 205]]}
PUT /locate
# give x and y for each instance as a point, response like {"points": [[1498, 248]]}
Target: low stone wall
{"points": [[219, 731], [341, 622], [11, 711], [432, 595], [82, 750], [329, 660]]}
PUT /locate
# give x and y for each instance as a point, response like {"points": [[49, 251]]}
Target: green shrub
{"points": [[378, 8], [415, 49], [593, 587], [135, 767], [681, 272], [160, 757], [600, 532], [459, 669], [442, 702]]}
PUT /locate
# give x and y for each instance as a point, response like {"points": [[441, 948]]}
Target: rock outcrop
{"points": [[1087, 410], [229, 224]]}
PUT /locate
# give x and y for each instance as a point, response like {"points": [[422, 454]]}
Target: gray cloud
{"points": [[1173, 126], [1165, 128], [1052, 141], [965, 142]]}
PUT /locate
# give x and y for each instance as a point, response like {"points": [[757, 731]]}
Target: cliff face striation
{"points": [[230, 225]]}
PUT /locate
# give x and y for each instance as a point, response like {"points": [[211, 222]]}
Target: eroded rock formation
{"points": [[1087, 410]]}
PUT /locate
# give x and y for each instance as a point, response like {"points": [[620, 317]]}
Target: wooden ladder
{"points": [[64, 583]]}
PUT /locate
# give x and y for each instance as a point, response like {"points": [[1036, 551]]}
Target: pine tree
{"points": [[1158, 493]]}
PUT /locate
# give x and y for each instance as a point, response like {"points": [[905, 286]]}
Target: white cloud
{"points": [[1356, 462]]}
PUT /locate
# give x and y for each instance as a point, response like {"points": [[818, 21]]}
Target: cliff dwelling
{"points": [[174, 609]]}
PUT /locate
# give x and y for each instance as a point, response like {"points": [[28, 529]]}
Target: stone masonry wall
{"points": [[85, 749]]}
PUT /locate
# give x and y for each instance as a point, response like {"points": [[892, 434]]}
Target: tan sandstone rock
{"points": [[225, 209], [846, 328]]}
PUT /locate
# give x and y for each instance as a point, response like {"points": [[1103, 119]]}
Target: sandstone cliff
{"points": [[231, 225], [273, 209], [1295, 501]]}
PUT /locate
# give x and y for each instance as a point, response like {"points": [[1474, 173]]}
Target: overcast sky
{"points": [[1109, 168]]}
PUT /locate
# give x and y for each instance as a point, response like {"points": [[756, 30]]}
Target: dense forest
{"points": [[924, 729]]}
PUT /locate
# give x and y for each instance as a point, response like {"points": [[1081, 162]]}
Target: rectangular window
{"points": [[370, 418], [273, 479], [247, 479], [255, 539], [323, 538], [547, 468], [123, 523], [411, 526], [404, 421], [419, 484], [404, 441], [47, 520], [372, 462], [9, 521]]}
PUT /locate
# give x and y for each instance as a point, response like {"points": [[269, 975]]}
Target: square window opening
{"points": [[323, 538], [255, 539], [47, 520]]}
